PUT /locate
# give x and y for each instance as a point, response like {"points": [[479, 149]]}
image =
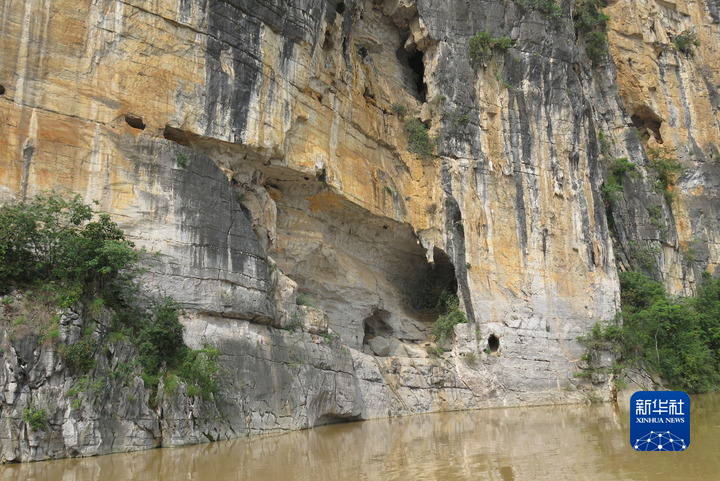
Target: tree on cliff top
{"points": [[53, 239]]}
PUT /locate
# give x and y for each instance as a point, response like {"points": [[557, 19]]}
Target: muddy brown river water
{"points": [[582, 442]]}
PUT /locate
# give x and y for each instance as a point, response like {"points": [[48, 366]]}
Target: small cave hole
{"points": [[415, 62], [340, 7], [135, 122], [176, 135], [644, 119], [377, 325], [2, 89], [493, 343]]}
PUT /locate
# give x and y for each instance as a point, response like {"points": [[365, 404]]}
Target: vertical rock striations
{"points": [[263, 150]]}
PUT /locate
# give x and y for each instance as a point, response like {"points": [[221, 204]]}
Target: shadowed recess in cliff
{"points": [[412, 59], [135, 122], [358, 265], [647, 123]]}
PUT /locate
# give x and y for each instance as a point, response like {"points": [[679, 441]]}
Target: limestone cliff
{"points": [[261, 148]]}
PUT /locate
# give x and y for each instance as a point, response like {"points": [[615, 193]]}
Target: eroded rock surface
{"points": [[261, 149]]}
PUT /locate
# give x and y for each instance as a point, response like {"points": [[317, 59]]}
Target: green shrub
{"points": [[656, 219], [419, 140], [181, 160], [305, 300], [618, 169], [549, 8], [35, 418], [677, 339], [591, 22], [481, 45], [201, 370], [686, 41], [160, 339], [621, 167], [643, 256], [80, 356], [399, 109], [612, 191], [605, 143], [463, 120], [52, 239], [443, 328], [667, 168]]}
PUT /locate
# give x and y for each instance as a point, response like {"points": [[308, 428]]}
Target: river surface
{"points": [[582, 442]]}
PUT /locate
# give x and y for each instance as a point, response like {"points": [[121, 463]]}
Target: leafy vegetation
{"points": [[592, 23], [618, 169], [643, 256], [481, 45], [200, 370], [686, 41], [60, 252], [181, 160], [163, 353], [80, 356], [549, 8], [35, 418], [612, 191], [399, 109], [160, 340], [463, 120], [419, 140], [605, 143], [305, 300], [51, 239], [668, 169], [443, 328], [677, 339]]}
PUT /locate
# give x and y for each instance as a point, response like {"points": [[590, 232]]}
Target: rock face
{"points": [[261, 149]]}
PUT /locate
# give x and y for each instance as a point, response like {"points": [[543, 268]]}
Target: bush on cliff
{"points": [[62, 251], [592, 23], [481, 45], [50, 239], [444, 326], [677, 339]]}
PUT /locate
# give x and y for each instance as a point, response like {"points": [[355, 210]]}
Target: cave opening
{"points": [[176, 135], [644, 120], [432, 281], [376, 325], [416, 64], [135, 122], [2, 89], [493, 343]]}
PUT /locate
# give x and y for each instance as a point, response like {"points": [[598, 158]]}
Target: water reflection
{"points": [[553, 443]]}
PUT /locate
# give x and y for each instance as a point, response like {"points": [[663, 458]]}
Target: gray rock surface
{"points": [[259, 148]]}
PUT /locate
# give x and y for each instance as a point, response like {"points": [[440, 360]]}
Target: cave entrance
{"points": [[414, 60], [647, 122], [377, 325], [493, 343], [135, 122], [432, 281]]}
